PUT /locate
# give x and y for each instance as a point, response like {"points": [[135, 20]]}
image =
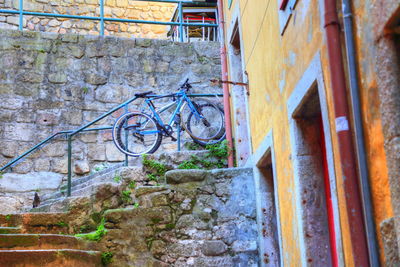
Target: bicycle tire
{"points": [[198, 128], [143, 125]]}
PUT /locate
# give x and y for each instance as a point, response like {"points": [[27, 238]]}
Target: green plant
{"points": [[189, 164], [219, 150], [132, 185], [85, 228], [1, 175], [100, 167], [85, 90], [8, 217], [136, 205], [117, 178], [155, 169], [62, 224], [126, 196], [192, 146], [96, 235], [106, 257]]}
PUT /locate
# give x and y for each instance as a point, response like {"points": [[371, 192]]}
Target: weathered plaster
{"points": [[313, 76]]}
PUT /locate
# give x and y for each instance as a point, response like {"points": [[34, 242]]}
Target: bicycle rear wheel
{"points": [[136, 134], [208, 126]]}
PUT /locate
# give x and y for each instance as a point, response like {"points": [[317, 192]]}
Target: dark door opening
{"points": [[314, 183], [239, 98], [269, 223]]}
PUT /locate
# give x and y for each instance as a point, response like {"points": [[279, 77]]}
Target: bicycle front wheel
{"points": [[207, 125], [136, 134]]}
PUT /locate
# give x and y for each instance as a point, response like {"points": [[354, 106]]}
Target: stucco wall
{"points": [[124, 9], [275, 63]]}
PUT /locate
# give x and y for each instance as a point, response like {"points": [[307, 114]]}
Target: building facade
{"points": [[319, 198]]}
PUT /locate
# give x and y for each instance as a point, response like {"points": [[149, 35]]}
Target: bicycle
{"points": [[137, 133]]}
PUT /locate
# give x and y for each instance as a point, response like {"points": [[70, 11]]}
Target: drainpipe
{"points": [[359, 134], [344, 136], [225, 87]]}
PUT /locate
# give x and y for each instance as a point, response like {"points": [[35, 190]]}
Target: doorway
{"points": [[239, 98]]}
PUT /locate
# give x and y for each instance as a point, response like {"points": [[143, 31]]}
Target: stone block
{"points": [[29, 77], [47, 119], [190, 221], [12, 182], [109, 93], [81, 167], [244, 246], [390, 242], [54, 23], [214, 261], [10, 204], [59, 165], [95, 78], [42, 165], [113, 154], [23, 167], [73, 117], [20, 132], [185, 176], [213, 248], [57, 149], [58, 77], [8, 149], [97, 152]]}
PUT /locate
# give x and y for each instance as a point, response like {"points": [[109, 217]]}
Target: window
{"points": [[286, 8]]}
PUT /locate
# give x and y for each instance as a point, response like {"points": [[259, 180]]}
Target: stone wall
{"points": [[124, 9], [199, 218], [51, 82]]}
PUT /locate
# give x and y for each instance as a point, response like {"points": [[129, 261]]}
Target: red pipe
{"points": [[328, 196], [345, 141], [225, 87]]}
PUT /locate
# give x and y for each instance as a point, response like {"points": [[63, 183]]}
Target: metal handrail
{"points": [[84, 128], [102, 19]]}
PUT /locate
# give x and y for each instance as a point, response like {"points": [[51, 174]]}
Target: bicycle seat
{"points": [[143, 94]]}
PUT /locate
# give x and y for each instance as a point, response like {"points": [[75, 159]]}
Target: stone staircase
{"points": [[23, 242], [195, 218]]}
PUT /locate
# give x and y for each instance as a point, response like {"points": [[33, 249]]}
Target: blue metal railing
{"points": [[85, 128], [102, 19]]}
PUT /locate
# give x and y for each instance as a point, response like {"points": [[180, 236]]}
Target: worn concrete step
{"points": [[10, 230], [61, 204], [50, 258], [39, 241], [57, 205], [49, 222], [102, 175]]}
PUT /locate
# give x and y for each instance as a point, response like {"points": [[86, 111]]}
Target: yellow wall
{"points": [[275, 64]]}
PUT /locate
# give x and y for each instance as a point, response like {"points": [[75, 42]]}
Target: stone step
{"points": [[61, 204], [10, 230], [50, 258], [39, 241], [49, 222], [77, 182]]}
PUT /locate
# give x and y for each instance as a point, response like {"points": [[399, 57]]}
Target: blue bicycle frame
{"points": [[182, 99]]}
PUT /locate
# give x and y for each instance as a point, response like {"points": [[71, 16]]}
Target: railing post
{"points": [[102, 17], [21, 15], [69, 165], [126, 136], [180, 21]]}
